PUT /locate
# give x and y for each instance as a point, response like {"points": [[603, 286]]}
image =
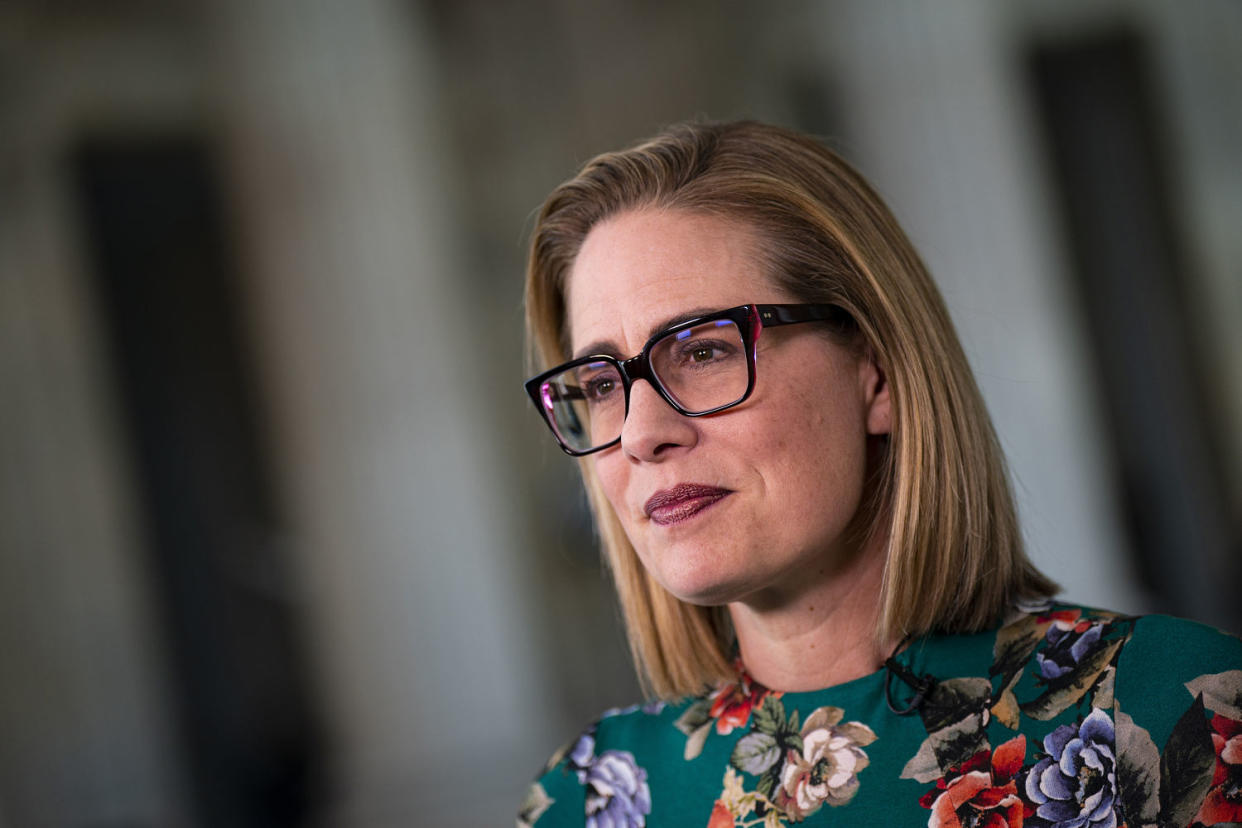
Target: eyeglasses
{"points": [[701, 366]]}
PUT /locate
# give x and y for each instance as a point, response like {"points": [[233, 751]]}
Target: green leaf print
{"points": [[953, 718], [923, 766], [536, 802], [696, 722], [770, 718], [755, 753], [1015, 644], [767, 783], [1186, 767], [1138, 771], [1060, 697], [694, 717], [1222, 692], [696, 740], [954, 700]]}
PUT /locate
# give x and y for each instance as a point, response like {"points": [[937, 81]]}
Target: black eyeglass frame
{"points": [[750, 321]]}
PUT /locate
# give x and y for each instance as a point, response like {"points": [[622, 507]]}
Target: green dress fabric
{"points": [[1064, 716]]}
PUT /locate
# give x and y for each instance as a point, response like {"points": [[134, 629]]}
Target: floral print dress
{"points": [[1065, 717]]}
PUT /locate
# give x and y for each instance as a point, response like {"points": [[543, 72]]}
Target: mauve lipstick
{"points": [[683, 501]]}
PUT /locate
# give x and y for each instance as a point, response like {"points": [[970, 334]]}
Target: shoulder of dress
{"points": [[608, 758], [1183, 632], [638, 726], [617, 728], [1162, 646], [1061, 614], [1141, 643]]}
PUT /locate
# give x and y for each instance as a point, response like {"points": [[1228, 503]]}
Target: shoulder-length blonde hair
{"points": [[955, 558]]}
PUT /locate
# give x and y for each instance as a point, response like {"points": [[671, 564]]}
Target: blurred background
{"points": [[280, 542]]}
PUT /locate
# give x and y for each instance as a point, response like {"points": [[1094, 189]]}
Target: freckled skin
{"points": [[793, 455]]}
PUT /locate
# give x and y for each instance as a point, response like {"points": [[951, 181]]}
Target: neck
{"points": [[820, 633]]}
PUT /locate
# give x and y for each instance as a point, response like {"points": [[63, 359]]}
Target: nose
{"points": [[653, 431]]}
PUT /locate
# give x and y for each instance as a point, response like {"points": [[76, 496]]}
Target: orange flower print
{"points": [[984, 793], [733, 703], [721, 816]]}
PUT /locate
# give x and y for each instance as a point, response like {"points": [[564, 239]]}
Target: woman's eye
{"points": [[600, 388], [702, 353]]}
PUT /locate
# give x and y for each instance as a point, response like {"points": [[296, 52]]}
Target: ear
{"points": [[875, 396]]}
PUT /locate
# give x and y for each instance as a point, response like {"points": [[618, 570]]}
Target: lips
{"points": [[682, 502]]}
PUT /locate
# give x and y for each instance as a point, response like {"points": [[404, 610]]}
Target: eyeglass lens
{"points": [[700, 368]]}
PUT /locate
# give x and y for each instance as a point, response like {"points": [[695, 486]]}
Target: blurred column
{"points": [[86, 730], [401, 529], [934, 104], [86, 726]]}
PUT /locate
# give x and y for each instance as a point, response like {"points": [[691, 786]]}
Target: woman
{"points": [[806, 513]]}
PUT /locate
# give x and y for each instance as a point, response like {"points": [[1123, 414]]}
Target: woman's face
{"points": [[752, 504]]}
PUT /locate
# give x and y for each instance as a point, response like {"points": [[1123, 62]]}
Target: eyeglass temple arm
{"points": [[771, 315], [563, 392]]}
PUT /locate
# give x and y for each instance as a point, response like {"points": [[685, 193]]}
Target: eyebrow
{"points": [[607, 346]]}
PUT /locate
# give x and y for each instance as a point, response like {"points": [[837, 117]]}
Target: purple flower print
{"points": [[651, 708], [1075, 784], [617, 794], [583, 752], [1068, 642]]}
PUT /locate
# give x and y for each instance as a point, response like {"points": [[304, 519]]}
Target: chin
{"points": [[707, 597], [705, 585]]}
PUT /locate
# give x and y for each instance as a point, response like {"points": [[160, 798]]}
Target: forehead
{"points": [[640, 268]]}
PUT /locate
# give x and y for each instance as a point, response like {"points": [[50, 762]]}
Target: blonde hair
{"points": [[955, 558]]}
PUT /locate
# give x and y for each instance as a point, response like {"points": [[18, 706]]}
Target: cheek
{"points": [[609, 470], [817, 447]]}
